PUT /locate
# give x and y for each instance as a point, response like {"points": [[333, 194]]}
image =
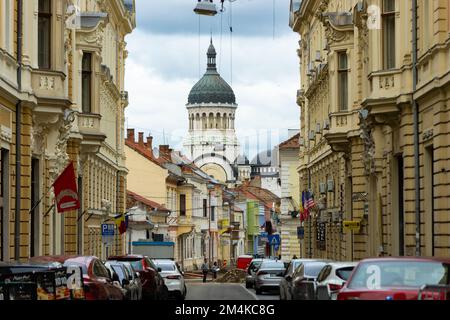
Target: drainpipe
{"points": [[415, 108], [18, 134]]}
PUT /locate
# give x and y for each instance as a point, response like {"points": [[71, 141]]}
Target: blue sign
{"points": [[108, 230], [264, 237], [108, 233]]}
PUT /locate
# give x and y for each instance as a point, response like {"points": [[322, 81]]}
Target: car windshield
{"points": [[272, 265], [381, 274], [312, 269], [344, 273], [117, 269], [166, 266]]}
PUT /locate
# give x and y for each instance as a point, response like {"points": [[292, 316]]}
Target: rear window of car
{"points": [[272, 265], [166, 266], [344, 273], [381, 274], [117, 269], [312, 269], [137, 265]]}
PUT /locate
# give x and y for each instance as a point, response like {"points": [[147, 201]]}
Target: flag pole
{"points": [[40, 200]]}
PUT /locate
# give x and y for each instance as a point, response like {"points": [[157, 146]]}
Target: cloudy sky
{"points": [[167, 56]]}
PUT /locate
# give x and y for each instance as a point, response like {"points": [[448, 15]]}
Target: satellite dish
{"points": [[156, 152]]}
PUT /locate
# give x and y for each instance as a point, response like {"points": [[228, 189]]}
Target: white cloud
{"points": [[162, 68]]}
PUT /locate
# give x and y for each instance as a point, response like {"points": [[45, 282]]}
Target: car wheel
{"points": [[248, 285]]}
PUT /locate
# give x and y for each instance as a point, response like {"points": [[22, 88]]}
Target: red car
{"points": [[97, 280], [153, 286], [395, 278]]}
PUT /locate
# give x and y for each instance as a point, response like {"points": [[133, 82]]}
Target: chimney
{"points": [[141, 139], [164, 151], [150, 144], [130, 135]]}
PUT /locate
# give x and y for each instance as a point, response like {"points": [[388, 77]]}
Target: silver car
{"points": [[269, 275], [251, 272], [173, 277]]}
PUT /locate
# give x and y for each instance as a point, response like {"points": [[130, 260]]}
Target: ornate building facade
{"points": [[359, 99], [212, 143], [61, 99]]}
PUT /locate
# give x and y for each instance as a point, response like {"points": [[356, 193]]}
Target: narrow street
{"points": [[197, 290]]}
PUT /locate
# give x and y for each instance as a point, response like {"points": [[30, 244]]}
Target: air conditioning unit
{"points": [[312, 135], [330, 186], [322, 188], [318, 56], [326, 125]]}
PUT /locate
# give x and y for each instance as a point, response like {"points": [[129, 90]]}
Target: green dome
{"points": [[212, 88]]}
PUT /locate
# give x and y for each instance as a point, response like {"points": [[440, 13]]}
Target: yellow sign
{"points": [[351, 225]]}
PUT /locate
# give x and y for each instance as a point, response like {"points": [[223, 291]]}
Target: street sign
{"points": [[108, 231], [321, 236], [351, 225], [264, 237], [275, 241], [300, 233]]}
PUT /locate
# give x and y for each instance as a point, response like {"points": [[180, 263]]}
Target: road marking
{"points": [[251, 293]]}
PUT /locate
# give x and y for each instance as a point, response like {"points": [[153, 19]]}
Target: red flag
{"points": [[65, 187]]}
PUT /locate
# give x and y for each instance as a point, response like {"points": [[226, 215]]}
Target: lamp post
{"points": [[210, 188]]}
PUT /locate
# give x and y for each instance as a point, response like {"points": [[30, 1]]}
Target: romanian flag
{"points": [[121, 222], [302, 209]]}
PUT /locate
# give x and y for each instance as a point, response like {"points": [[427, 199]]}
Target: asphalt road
{"points": [[197, 290]]}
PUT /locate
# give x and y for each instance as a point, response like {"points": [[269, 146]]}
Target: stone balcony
{"points": [[343, 125], [89, 128], [48, 84]]}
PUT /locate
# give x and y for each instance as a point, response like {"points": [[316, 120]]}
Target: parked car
{"points": [[288, 277], [129, 288], [304, 279], [269, 275], [153, 286], [134, 278], [332, 278], [173, 278], [251, 272], [394, 278], [34, 281], [97, 280]]}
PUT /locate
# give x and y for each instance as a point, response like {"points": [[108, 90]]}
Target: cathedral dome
{"points": [[212, 88]]}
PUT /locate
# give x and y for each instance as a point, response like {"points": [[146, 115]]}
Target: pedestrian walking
{"points": [[205, 269], [215, 268]]}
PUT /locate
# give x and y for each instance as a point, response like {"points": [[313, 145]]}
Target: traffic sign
{"points": [[108, 231], [275, 241]]}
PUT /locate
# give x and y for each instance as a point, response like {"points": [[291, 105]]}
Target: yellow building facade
{"points": [[64, 85], [358, 99]]}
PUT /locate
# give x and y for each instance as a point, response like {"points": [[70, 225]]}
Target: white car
{"points": [[332, 278], [173, 277]]}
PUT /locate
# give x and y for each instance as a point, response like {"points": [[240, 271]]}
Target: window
{"points": [[44, 33], [100, 270], [205, 208], [86, 82], [343, 81], [389, 34], [182, 204], [213, 218]]}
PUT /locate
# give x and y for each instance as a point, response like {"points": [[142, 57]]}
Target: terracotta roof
{"points": [[292, 143], [143, 151], [147, 202]]}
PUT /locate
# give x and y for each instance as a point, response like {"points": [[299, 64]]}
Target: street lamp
{"points": [[206, 8]]}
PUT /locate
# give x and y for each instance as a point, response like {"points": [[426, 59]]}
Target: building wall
{"points": [[361, 153], [141, 172]]}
